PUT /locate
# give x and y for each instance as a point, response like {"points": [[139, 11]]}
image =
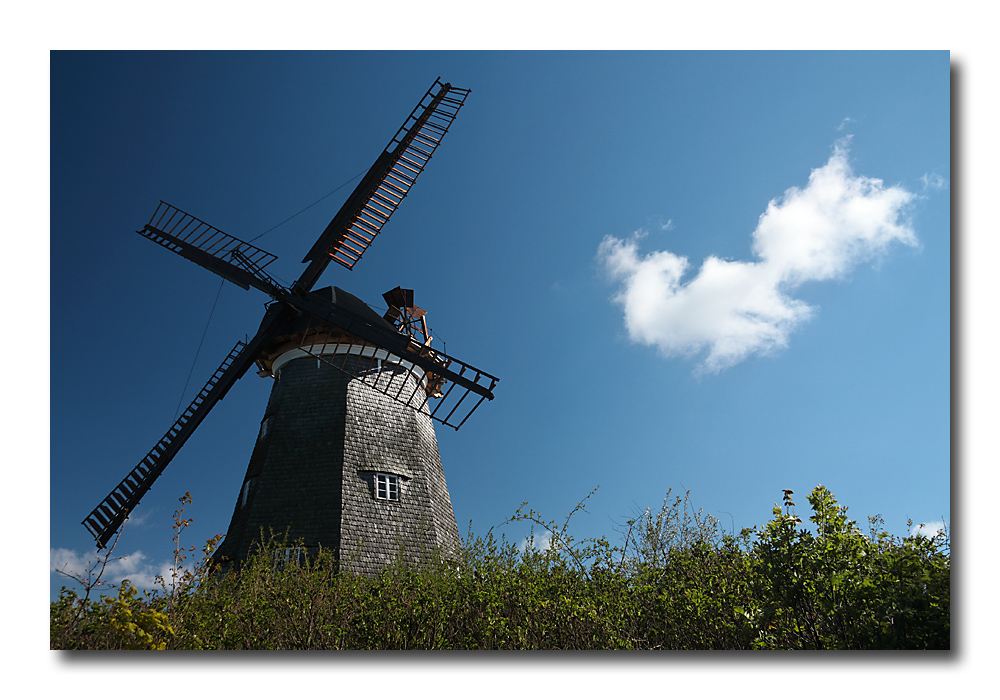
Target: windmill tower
{"points": [[346, 457]]}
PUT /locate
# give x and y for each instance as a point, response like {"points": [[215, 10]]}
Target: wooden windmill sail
{"points": [[346, 457]]}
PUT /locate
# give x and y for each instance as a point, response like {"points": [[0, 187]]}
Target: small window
{"points": [[246, 493], [387, 487], [285, 556], [265, 426]]}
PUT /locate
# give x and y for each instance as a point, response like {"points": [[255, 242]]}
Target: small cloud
{"points": [[656, 224], [538, 542], [67, 560], [933, 181], [134, 567], [927, 529], [844, 123], [141, 517], [731, 309]]}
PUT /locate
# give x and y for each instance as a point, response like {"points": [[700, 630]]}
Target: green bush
{"points": [[675, 582], [839, 589]]}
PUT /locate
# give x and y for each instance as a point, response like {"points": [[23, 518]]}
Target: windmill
{"points": [[346, 457]]}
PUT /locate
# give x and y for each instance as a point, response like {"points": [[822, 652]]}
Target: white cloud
{"points": [[927, 529], [539, 542], [933, 181], [733, 309], [134, 567]]}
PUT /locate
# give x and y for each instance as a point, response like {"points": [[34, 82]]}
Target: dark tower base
{"points": [[341, 466]]}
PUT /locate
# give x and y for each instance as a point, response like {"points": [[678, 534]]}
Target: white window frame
{"points": [[386, 486], [246, 492], [283, 556]]}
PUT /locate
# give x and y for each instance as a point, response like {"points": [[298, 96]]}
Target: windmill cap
{"points": [[340, 298], [399, 297]]}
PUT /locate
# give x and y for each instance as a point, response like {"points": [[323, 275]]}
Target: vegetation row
{"points": [[674, 582]]}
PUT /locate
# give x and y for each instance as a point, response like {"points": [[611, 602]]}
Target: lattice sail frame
{"points": [[240, 262], [104, 520], [412, 148], [390, 179]]}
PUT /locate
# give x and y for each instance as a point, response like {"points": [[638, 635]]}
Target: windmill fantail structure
{"points": [[346, 457]]}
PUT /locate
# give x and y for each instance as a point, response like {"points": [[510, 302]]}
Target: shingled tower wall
{"points": [[312, 475]]}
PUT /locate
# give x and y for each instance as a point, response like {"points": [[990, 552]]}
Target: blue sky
{"points": [[719, 272]]}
